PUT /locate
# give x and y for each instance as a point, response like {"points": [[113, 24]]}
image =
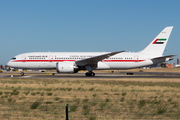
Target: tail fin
{"points": [[158, 44]]}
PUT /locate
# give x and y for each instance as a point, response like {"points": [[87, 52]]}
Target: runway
{"points": [[98, 75]]}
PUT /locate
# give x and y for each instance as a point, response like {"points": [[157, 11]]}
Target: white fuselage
{"points": [[72, 62], [48, 60]]}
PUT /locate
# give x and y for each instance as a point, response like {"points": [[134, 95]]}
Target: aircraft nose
{"points": [[9, 63]]}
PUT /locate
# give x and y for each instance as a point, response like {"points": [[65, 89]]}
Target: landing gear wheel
{"points": [[90, 74], [129, 73], [22, 74], [87, 74]]}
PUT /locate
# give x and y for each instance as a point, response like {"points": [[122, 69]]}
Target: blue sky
{"points": [[85, 25]]}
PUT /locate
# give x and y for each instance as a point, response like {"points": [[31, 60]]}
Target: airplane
{"points": [[72, 62]]}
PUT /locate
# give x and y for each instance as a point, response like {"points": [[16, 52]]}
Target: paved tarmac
{"points": [[98, 75]]}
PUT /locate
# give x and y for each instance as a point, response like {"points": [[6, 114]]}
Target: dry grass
{"points": [[126, 98]]}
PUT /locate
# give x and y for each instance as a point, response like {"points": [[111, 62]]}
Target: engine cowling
{"points": [[66, 67]]}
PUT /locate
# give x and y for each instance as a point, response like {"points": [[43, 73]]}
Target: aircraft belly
{"points": [[102, 65], [118, 65], [128, 65], [31, 65]]}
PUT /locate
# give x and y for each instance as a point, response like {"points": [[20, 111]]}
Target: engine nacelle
{"points": [[66, 67]]}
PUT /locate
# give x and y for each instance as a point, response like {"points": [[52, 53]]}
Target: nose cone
{"points": [[9, 63]]}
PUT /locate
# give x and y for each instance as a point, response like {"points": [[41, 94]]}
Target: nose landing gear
{"points": [[22, 73]]}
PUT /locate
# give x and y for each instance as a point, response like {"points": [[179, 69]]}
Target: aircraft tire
{"points": [[22, 73], [129, 73], [90, 74]]}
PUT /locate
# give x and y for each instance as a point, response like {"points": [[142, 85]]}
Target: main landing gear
{"points": [[90, 74]]}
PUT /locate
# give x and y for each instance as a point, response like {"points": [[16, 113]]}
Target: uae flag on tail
{"points": [[159, 41]]}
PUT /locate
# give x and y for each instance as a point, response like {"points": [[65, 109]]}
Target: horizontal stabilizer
{"points": [[169, 56]]}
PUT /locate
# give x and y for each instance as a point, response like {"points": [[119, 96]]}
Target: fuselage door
{"points": [[23, 58], [136, 58], [50, 58]]}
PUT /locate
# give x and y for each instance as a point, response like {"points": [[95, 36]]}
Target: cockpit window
{"points": [[13, 58]]}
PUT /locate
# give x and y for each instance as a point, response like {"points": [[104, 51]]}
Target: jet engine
{"points": [[66, 67]]}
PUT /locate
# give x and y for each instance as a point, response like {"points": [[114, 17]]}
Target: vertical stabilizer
{"points": [[157, 46]]}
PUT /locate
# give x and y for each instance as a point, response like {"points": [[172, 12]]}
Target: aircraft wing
{"points": [[96, 59], [169, 56]]}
